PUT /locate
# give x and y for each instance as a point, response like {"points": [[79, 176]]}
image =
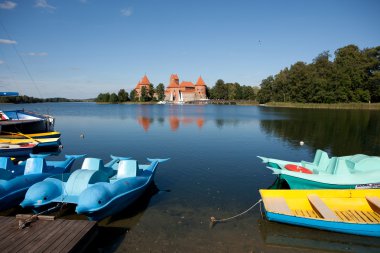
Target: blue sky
{"points": [[79, 48]]}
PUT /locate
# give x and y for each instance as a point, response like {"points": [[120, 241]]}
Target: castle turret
{"points": [[200, 89]]}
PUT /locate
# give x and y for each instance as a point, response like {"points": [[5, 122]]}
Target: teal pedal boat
{"points": [[16, 179], [345, 172], [107, 198], [97, 190], [66, 187]]}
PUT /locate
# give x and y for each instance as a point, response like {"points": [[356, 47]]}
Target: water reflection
{"points": [[340, 132], [283, 236], [174, 122], [112, 230]]}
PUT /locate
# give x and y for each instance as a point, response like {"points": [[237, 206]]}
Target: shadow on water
{"points": [[330, 130], [113, 229], [276, 235], [279, 183]]}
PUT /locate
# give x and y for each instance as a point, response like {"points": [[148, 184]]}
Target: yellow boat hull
{"points": [[348, 211]]}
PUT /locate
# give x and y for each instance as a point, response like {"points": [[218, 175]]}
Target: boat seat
{"points": [[6, 164], [322, 208], [127, 168], [374, 202], [79, 180], [35, 166], [344, 167], [331, 167], [277, 205], [321, 159], [90, 163]]}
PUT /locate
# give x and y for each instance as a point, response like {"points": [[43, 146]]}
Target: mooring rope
{"points": [[214, 220], [33, 218]]}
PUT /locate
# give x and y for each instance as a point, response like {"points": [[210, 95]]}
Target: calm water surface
{"points": [[213, 170]]}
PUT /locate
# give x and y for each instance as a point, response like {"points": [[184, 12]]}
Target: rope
{"points": [[214, 220], [33, 218]]}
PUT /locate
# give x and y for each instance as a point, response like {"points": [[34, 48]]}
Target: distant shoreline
{"points": [[361, 106]]}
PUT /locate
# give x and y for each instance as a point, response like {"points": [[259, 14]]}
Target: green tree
{"points": [[143, 95], [133, 95], [151, 92], [266, 92], [113, 98], [122, 96], [219, 91], [160, 90]]}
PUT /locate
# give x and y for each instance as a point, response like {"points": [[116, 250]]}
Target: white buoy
{"points": [[301, 143], [82, 136]]}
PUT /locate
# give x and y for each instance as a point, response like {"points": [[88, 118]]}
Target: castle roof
{"points": [[145, 81], [174, 76], [200, 81], [173, 83], [186, 84]]}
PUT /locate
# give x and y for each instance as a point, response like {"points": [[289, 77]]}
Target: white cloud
{"points": [[37, 54], [44, 4], [127, 12], [2, 62], [3, 41], [8, 5]]}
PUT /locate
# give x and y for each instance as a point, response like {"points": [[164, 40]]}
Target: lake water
{"points": [[213, 170]]}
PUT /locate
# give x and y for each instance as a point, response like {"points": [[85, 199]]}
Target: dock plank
{"points": [[80, 237], [66, 236], [44, 235], [38, 236]]}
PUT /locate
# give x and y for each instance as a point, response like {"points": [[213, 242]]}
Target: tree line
{"points": [[26, 100], [151, 94], [221, 90], [231, 91], [353, 76]]}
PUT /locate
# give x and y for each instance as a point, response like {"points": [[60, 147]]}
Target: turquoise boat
{"points": [[16, 179], [97, 190], [345, 172], [107, 198], [344, 211], [67, 187], [13, 170]]}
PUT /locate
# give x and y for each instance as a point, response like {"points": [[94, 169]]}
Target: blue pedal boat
{"points": [[107, 198], [67, 187], [16, 179]]}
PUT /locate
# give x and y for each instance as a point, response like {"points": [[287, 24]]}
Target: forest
{"points": [[26, 100], [352, 76]]}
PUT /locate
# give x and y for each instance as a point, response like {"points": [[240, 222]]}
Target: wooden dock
{"points": [[45, 235]]}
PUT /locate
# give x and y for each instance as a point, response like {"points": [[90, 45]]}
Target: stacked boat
{"points": [[23, 132], [335, 194]]}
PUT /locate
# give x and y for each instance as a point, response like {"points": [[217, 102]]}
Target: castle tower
{"points": [[200, 89], [143, 83], [172, 92]]}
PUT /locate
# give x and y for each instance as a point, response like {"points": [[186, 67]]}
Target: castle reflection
{"points": [[174, 122]]}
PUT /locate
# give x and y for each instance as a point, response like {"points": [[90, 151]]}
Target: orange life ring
{"points": [[296, 168]]}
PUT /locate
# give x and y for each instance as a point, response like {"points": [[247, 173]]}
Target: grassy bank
{"points": [[362, 106]]}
